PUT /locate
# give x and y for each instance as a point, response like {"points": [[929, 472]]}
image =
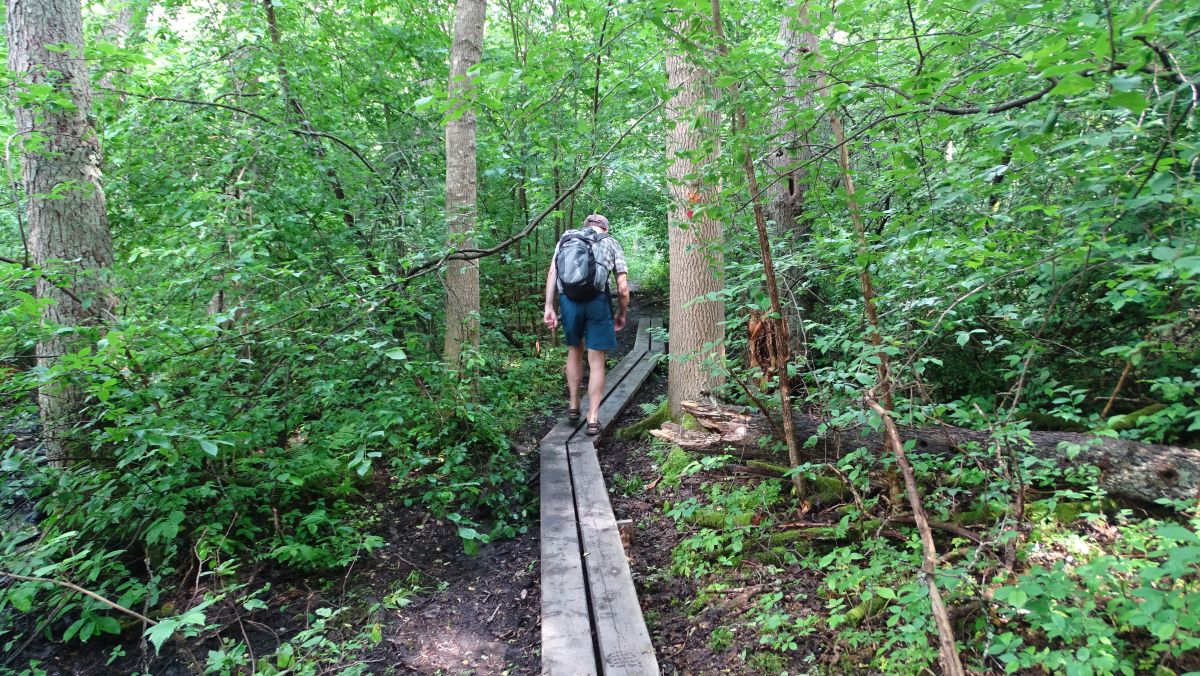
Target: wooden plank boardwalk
{"points": [[592, 622]]}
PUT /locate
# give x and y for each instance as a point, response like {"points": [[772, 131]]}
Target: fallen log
{"points": [[1128, 469]]}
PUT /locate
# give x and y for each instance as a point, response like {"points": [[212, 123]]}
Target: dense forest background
{"points": [[981, 214]]}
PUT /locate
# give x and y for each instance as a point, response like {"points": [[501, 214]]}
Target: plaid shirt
{"points": [[608, 253]]}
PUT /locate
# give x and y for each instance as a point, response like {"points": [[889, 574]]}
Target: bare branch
{"points": [[262, 118], [81, 590]]}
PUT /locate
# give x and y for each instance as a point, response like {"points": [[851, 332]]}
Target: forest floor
{"points": [[437, 609], [486, 620]]}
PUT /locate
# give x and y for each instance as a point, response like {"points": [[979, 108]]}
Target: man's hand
{"points": [[619, 322], [550, 318]]}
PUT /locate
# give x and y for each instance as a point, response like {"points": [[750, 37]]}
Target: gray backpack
{"points": [[580, 275]]}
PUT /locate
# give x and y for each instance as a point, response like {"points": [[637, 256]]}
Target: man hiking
{"points": [[579, 272]]}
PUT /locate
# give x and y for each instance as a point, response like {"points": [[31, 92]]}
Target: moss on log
{"points": [[1128, 421], [660, 415], [716, 518], [1128, 469], [865, 611]]}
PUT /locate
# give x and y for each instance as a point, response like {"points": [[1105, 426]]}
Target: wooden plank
{"points": [[656, 344], [566, 624], [622, 637], [567, 510], [613, 383], [620, 397], [642, 342], [614, 376], [561, 432], [564, 430]]}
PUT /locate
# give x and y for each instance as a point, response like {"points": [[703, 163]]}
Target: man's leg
{"points": [[575, 373], [595, 384]]}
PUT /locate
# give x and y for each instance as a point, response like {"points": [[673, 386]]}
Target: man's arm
{"points": [[623, 300], [548, 315]]}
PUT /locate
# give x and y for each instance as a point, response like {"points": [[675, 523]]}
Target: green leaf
{"points": [[1189, 264], [1122, 83], [1134, 102], [396, 353], [108, 624], [159, 633], [165, 530], [1071, 85], [21, 598], [1163, 630], [208, 447], [1176, 533], [1163, 253]]}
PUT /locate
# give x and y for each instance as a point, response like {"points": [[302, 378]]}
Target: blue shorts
{"points": [[592, 320]]}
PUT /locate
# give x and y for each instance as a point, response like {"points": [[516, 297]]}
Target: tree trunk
{"points": [[1129, 469], [318, 150], [789, 180], [786, 192], [697, 333], [68, 228], [117, 27], [462, 277]]}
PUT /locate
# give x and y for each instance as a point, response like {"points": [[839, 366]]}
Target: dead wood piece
{"points": [[943, 526], [1129, 469], [947, 650], [625, 530]]}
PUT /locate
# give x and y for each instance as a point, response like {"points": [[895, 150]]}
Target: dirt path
{"points": [[486, 618]]}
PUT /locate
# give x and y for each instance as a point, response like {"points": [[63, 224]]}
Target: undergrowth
{"points": [[1095, 589], [203, 477]]}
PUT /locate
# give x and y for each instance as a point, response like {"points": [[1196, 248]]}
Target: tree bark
{"points": [[786, 192], [68, 228], [117, 27], [788, 185], [1129, 469], [776, 324], [462, 277], [694, 234]]}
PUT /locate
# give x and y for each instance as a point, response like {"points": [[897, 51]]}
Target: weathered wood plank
{"points": [[612, 379], [624, 641], [642, 343], [620, 397], [656, 344], [566, 624], [583, 536], [562, 431]]}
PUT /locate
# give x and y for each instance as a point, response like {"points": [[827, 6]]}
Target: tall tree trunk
{"points": [[776, 324], [786, 191], [462, 277], [790, 180], [61, 157], [314, 144], [117, 27], [694, 234]]}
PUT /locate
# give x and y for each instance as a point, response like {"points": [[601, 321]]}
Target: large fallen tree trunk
{"points": [[1128, 469]]}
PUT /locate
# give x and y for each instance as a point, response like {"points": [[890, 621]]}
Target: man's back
{"points": [[607, 250]]}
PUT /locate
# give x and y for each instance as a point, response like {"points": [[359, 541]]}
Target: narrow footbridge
{"points": [[592, 623]]}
